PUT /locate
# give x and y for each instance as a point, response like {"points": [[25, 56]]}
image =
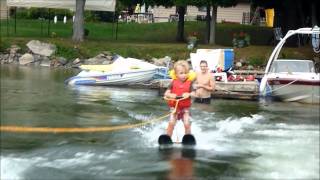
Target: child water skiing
{"points": [[180, 88]]}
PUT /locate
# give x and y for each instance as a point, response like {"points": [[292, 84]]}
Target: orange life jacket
{"points": [[179, 88]]}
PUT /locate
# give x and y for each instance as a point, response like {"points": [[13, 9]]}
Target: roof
{"points": [[95, 5]]}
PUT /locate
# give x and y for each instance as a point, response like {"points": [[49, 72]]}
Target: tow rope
{"points": [[25, 129]]}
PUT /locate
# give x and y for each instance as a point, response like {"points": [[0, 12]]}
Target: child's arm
{"points": [[192, 93], [168, 93]]}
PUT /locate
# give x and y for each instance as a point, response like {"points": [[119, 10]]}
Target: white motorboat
{"points": [[292, 80], [123, 71]]}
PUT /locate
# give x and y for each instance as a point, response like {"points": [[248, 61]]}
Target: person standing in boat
{"points": [[180, 87], [204, 84]]}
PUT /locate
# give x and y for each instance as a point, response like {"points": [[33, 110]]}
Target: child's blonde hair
{"points": [[182, 63]]}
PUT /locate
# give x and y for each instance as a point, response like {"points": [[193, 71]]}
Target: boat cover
{"points": [[121, 65]]}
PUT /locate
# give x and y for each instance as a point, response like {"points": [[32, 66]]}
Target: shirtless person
{"points": [[204, 84]]}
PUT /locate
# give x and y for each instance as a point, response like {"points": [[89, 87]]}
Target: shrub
{"points": [[240, 40], [67, 52], [53, 34], [106, 16], [36, 13], [86, 32], [258, 35], [256, 61], [4, 45], [192, 40], [90, 16]]}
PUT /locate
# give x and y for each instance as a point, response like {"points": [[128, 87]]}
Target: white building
{"points": [[230, 14], [3, 9]]}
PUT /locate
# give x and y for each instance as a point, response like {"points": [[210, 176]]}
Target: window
{"points": [[202, 9]]}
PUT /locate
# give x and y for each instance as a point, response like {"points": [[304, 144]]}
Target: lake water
{"points": [[235, 138]]}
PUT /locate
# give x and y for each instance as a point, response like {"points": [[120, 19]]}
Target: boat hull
{"points": [[123, 78], [295, 90]]}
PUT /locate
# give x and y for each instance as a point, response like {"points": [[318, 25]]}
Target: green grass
{"points": [[158, 32], [141, 40], [90, 48], [133, 32]]}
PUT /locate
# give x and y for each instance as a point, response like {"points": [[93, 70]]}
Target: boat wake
{"points": [[219, 133]]}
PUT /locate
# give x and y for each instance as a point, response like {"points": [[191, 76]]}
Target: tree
{"points": [[292, 14], [78, 25], [211, 19], [127, 4], [181, 6], [181, 10]]}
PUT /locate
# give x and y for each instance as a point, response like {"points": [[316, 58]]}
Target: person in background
{"points": [[180, 87], [204, 84]]}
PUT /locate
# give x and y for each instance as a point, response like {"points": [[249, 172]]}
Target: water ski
{"points": [[188, 139], [164, 139]]}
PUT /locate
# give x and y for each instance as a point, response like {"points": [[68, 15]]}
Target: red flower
{"points": [[195, 34], [242, 34]]}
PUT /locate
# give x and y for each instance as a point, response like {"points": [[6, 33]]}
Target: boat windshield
{"points": [[292, 66]]}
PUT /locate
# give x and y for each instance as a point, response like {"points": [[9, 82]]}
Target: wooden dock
{"points": [[248, 90], [245, 90]]}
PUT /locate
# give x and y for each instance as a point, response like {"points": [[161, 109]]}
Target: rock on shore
{"points": [[44, 54]]}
